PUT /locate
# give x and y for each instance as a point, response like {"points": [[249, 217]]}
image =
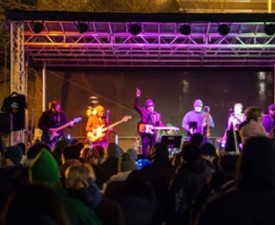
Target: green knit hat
{"points": [[44, 169]]}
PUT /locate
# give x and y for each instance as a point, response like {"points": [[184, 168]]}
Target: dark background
{"points": [[173, 92]]}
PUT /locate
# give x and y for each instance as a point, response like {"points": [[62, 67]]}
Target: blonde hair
{"points": [[76, 176], [99, 108]]}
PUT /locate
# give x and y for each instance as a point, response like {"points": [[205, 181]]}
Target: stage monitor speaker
{"points": [[6, 123], [172, 141]]}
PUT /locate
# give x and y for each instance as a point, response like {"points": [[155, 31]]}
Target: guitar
{"points": [[144, 128], [99, 132], [54, 133]]}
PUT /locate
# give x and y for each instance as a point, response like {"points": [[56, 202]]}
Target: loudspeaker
{"points": [[6, 123]]}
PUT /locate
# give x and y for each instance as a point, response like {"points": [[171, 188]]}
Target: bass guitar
{"points": [[54, 132], [99, 132], [144, 128]]}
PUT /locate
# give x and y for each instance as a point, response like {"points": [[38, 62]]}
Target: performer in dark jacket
{"points": [[149, 118], [52, 119]]}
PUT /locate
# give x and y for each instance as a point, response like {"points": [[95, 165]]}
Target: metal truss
{"points": [[18, 76], [160, 44], [18, 82]]}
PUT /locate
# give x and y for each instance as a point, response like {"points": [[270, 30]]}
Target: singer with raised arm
{"points": [[52, 123], [198, 120], [96, 128], [149, 119]]}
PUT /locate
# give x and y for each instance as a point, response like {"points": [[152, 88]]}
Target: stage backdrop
{"points": [[173, 92]]}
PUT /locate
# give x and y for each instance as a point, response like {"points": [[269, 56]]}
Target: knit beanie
{"points": [[198, 103], [44, 169], [126, 163], [15, 154]]}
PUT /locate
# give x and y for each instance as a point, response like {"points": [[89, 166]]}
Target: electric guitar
{"points": [[54, 133], [144, 128], [99, 132]]}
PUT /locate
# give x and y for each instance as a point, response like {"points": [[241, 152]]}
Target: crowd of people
{"points": [[76, 184], [71, 182]]}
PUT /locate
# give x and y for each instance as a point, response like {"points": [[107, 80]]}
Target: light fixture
{"points": [[82, 27], [37, 27], [223, 29], [185, 29], [134, 29], [269, 29]]}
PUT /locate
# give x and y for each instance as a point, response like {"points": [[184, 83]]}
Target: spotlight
{"points": [[37, 27], [82, 27], [269, 29], [223, 29], [135, 29], [185, 29]]}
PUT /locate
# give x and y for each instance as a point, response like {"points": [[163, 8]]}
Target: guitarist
{"points": [[95, 122], [148, 116], [52, 119]]}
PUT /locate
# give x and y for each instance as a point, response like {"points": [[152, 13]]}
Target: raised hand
{"points": [[138, 92]]}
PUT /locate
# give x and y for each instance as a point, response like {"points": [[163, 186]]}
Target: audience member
{"points": [[253, 199], [187, 183], [252, 127], [110, 165], [159, 173]]}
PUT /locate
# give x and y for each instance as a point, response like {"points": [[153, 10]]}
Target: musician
{"points": [[236, 117], [231, 139], [148, 116], [196, 120], [52, 119], [268, 120], [95, 124]]}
